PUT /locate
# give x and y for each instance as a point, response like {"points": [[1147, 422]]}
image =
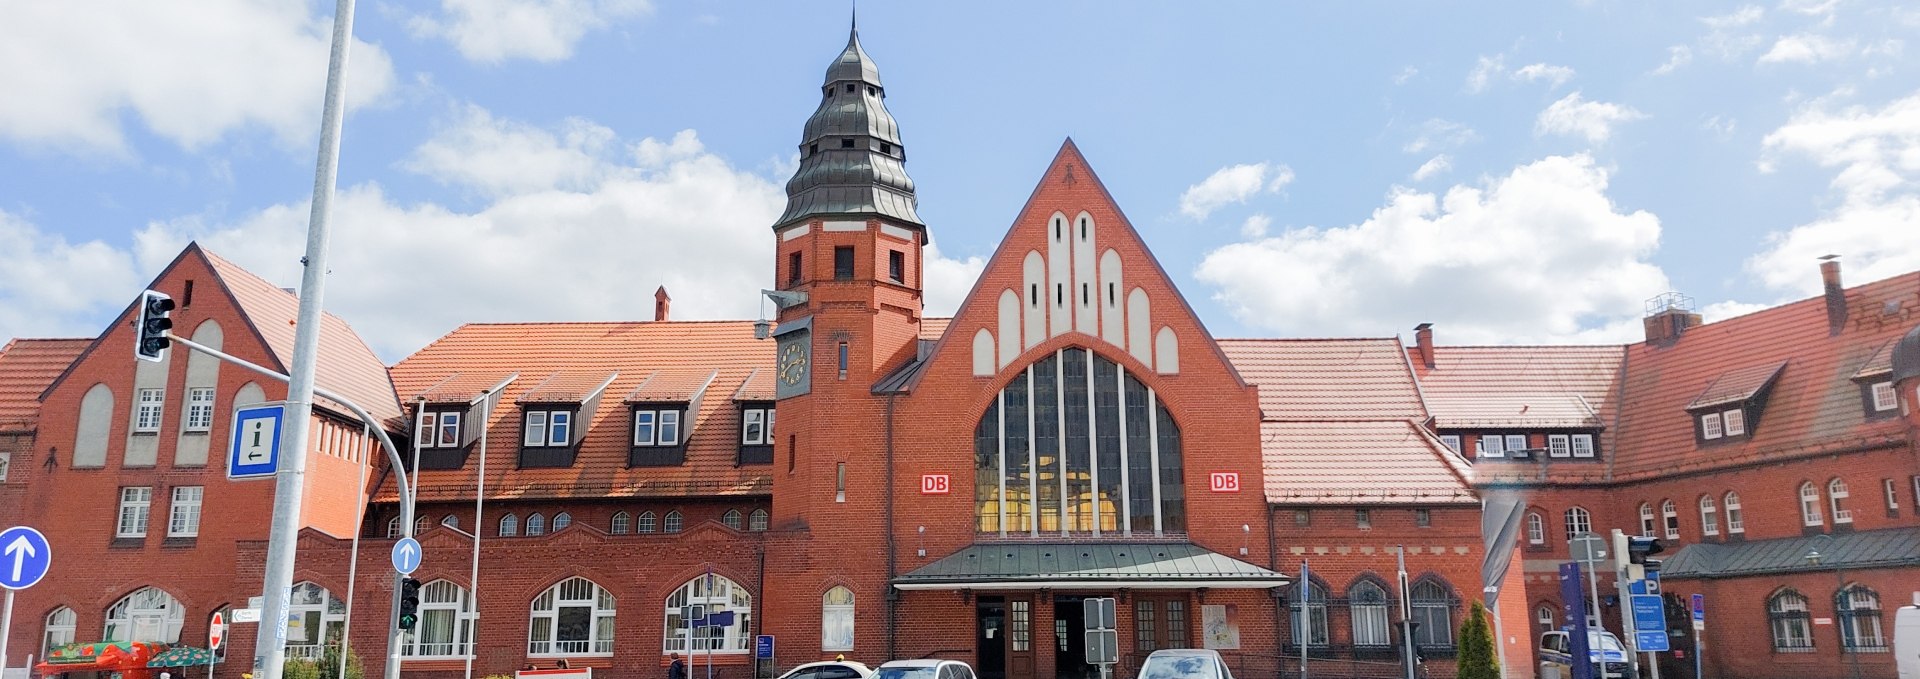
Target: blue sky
{"points": [[1528, 172]]}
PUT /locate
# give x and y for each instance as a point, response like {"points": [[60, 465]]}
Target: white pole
{"points": [[1499, 630], [479, 503], [6, 629], [1302, 627], [1406, 612], [269, 651], [353, 561]]}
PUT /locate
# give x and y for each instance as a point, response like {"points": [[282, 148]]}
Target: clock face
{"points": [[793, 363]]}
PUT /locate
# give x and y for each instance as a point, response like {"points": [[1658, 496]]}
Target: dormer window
{"points": [[1558, 445], [439, 429], [656, 427], [756, 433], [1735, 422], [1730, 405], [886, 148], [846, 143], [1517, 445], [1490, 446], [1583, 445], [1882, 397], [547, 428], [1710, 426], [851, 88]]}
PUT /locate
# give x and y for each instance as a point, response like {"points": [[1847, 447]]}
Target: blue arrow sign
{"points": [[25, 558], [255, 453], [406, 555]]}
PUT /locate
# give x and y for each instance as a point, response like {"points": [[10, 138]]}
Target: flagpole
{"points": [[1301, 627], [353, 560], [479, 503], [1406, 612]]}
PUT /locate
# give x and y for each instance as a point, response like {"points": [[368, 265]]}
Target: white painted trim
{"points": [[1093, 447], [843, 226], [896, 232], [1126, 488], [1000, 402], [1153, 453], [795, 232], [1060, 453], [1033, 469]]}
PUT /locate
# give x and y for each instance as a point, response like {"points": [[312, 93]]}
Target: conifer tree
{"points": [[1477, 658]]}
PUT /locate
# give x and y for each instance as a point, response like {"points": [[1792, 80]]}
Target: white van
{"points": [[1906, 640]]}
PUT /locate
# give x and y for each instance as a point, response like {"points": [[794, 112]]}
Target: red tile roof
{"points": [[679, 385], [757, 387], [568, 386], [462, 387], [1361, 462], [1737, 385], [1537, 387], [1328, 378], [933, 328], [668, 355], [27, 366]]}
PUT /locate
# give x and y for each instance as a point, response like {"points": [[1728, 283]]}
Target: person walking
{"points": [[676, 669]]}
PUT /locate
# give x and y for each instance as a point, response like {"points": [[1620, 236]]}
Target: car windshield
{"points": [[904, 673], [1603, 642], [1178, 667]]}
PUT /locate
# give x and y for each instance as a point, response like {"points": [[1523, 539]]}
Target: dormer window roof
{"points": [[1738, 386], [556, 414]]}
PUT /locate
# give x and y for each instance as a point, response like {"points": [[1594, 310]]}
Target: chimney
{"points": [[1836, 294], [1668, 316], [1423, 339], [660, 303]]}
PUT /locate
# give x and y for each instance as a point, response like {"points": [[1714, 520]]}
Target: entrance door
{"points": [[1070, 640], [1003, 640]]}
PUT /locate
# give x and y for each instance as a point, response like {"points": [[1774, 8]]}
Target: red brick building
{"points": [[854, 478]]}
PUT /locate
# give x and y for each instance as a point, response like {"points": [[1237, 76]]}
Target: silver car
{"points": [[923, 669], [1185, 663]]}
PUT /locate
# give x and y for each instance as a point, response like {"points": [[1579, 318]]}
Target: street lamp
{"points": [[1813, 557]]}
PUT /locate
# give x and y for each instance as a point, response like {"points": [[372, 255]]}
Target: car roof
{"points": [[826, 663], [1185, 652], [921, 662]]}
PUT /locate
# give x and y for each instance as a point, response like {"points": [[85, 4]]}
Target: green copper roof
{"points": [[1886, 548], [852, 163], [1105, 564]]}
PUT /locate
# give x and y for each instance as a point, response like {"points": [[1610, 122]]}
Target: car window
{"points": [[808, 673], [1599, 642], [905, 673], [1179, 667], [837, 672]]}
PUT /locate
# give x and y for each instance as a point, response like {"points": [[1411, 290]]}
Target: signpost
{"points": [[1575, 622], [216, 633], [1699, 607], [25, 558], [763, 647], [255, 453], [1649, 623], [406, 555], [1103, 639], [1590, 549]]}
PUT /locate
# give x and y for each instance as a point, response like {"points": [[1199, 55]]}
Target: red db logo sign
{"points": [[934, 484], [1223, 482]]}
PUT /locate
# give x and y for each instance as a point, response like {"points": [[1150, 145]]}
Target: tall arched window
{"points": [[717, 594], [646, 522], [1791, 622], [1543, 616], [574, 617], [562, 520], [314, 619], [1736, 522], [836, 620], [1859, 609], [59, 632], [536, 524], [421, 524], [1367, 605], [620, 524], [1837, 491], [1809, 504], [1433, 610], [1578, 521], [1646, 520], [148, 614], [1076, 444], [673, 522], [731, 518], [393, 528], [1709, 516], [757, 520], [1536, 529], [509, 526], [1670, 515], [1312, 600], [445, 629]]}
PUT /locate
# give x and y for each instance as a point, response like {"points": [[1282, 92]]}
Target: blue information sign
{"points": [[1700, 608], [763, 647], [406, 555], [25, 558], [1649, 623], [255, 453], [1576, 620]]}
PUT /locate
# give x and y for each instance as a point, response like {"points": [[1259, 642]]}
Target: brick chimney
{"points": [[1835, 293], [1668, 316], [660, 303], [1423, 341]]}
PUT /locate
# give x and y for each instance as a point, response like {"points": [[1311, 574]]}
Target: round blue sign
{"points": [[406, 555], [25, 557]]}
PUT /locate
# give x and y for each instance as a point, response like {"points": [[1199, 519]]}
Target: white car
{"points": [[1184, 663], [831, 669], [930, 668]]}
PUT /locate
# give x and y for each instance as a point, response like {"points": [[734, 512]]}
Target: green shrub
{"points": [[1477, 658]]}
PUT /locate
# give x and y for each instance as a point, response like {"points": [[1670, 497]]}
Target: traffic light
{"points": [[409, 603], [1639, 551], [152, 326]]}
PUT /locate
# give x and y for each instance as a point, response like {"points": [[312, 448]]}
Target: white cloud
{"points": [[1554, 75], [1745, 16], [1721, 127], [1677, 56], [190, 73], [1255, 226], [1434, 167], [493, 31], [1232, 184], [1483, 72], [500, 157], [1807, 48], [948, 280], [1876, 153], [1729, 35], [1405, 75], [1541, 254], [1438, 134], [50, 287], [1573, 115]]}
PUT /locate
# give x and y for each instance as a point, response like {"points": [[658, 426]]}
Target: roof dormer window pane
{"points": [[1558, 445], [1710, 426], [535, 429], [1490, 446], [1583, 445], [1735, 422], [1884, 397]]}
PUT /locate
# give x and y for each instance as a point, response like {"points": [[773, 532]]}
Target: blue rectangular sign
{"points": [[763, 647], [1649, 623], [1700, 607], [1576, 619], [255, 453]]}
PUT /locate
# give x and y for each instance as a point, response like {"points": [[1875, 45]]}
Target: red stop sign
{"points": [[216, 632]]}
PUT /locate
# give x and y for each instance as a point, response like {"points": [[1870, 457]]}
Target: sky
{"points": [[1511, 172]]}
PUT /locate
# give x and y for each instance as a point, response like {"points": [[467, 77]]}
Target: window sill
{"points": [[180, 542], [196, 432], [570, 655], [128, 543]]}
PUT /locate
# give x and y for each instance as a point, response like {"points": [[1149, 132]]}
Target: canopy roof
{"points": [[1139, 565]]}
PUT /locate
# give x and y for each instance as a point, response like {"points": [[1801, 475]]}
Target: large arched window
{"points": [[60, 625], [1791, 622], [646, 522], [1736, 521], [757, 520], [1433, 612], [1670, 517], [1809, 504], [574, 617], [1536, 529], [621, 523], [1367, 605], [509, 526], [836, 620], [716, 594], [1709, 516], [1859, 609], [149, 614], [1578, 521], [1076, 444], [1836, 492], [314, 619], [1312, 599], [445, 629], [1646, 520]]}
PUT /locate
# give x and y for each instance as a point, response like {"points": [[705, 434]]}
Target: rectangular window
{"points": [[643, 429], [1710, 426], [793, 268], [1490, 446], [1884, 398], [1517, 445], [1735, 422], [147, 415], [843, 360], [184, 520], [843, 263], [753, 431], [1451, 441], [1302, 518], [840, 483], [1583, 445], [1558, 446], [669, 427], [1423, 518], [1363, 519], [559, 428], [536, 429], [200, 409], [1893, 495], [449, 429], [897, 266], [135, 501]]}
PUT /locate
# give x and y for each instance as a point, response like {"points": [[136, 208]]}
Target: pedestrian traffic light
{"points": [[152, 326], [409, 603], [1639, 549]]}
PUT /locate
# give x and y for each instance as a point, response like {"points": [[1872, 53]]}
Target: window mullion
{"points": [[1153, 448], [1000, 403], [1093, 449], [1126, 485]]}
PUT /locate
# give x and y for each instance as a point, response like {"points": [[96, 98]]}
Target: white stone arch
{"points": [[716, 593], [147, 614]]}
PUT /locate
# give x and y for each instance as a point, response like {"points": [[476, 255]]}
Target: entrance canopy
{"points": [[1137, 565]]}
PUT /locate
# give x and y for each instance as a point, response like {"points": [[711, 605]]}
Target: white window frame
{"points": [[757, 520], [644, 523], [561, 521], [1516, 445], [1451, 441], [1710, 426], [662, 427], [183, 513], [733, 519], [674, 522], [150, 405], [1536, 529], [753, 430], [509, 526], [437, 599], [647, 420], [1810, 505], [1368, 615], [1544, 616], [536, 525], [313, 605], [1493, 450], [620, 524], [1884, 397], [836, 620], [572, 593], [1709, 516], [1837, 491], [1577, 517], [148, 614], [1734, 422], [1670, 519], [136, 506], [533, 429], [6, 462], [669, 427], [1789, 617], [199, 409], [1559, 445], [449, 424], [1647, 524], [59, 630], [451, 521], [1893, 494], [1736, 519], [393, 528], [715, 593], [1583, 445]]}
